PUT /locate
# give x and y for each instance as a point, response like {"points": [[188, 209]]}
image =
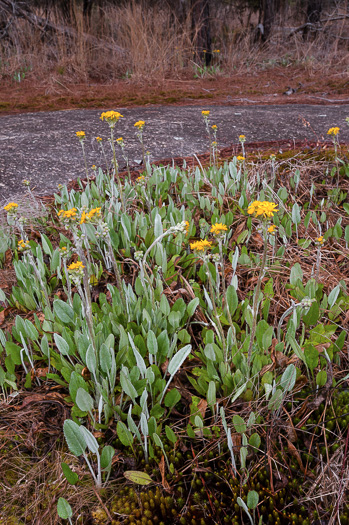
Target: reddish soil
{"points": [[264, 87]]}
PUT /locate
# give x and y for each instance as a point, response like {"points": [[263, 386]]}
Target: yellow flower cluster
{"points": [[99, 139], [186, 227], [141, 178], [320, 240], [262, 208], [214, 126], [219, 228], [76, 266], [120, 140], [201, 246], [272, 229], [242, 138], [333, 131], [86, 217], [22, 245], [69, 214], [240, 158], [80, 134], [111, 116], [139, 124], [11, 206], [205, 113], [93, 167], [216, 51]]}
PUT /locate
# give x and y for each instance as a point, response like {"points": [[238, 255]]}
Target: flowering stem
{"points": [[116, 271], [256, 298], [208, 273], [87, 294], [68, 282], [84, 155], [116, 169], [318, 262], [223, 281]]}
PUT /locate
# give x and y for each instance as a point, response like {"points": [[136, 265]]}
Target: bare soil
{"points": [[258, 87]]}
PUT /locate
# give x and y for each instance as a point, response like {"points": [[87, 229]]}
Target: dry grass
{"points": [[158, 45]]}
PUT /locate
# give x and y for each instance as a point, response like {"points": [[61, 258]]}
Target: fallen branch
{"points": [[44, 25]]}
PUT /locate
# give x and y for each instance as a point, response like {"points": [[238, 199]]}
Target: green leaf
{"points": [[332, 298], [321, 378], [252, 499], [91, 360], [296, 274], [106, 457], [178, 359], [171, 436], [90, 440], [288, 378], [124, 434], [164, 305], [64, 510], [296, 214], [152, 343], [311, 356], [61, 344], [239, 424], [276, 400], [63, 311], [232, 299], [211, 394], [70, 476], [255, 440], [126, 384], [46, 244], [192, 306], [172, 397], [140, 478], [75, 440], [83, 400]]}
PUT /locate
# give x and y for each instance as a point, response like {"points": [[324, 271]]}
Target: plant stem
{"points": [[223, 281], [116, 174], [216, 312], [256, 298]]}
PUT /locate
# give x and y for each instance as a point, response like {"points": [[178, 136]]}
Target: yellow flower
{"points": [[333, 131], [76, 266], [216, 51], [69, 214], [63, 248], [111, 116], [99, 139], [205, 113], [93, 167], [214, 126], [141, 178], [214, 143], [11, 206], [80, 135], [201, 246], [272, 229], [242, 138], [320, 240], [186, 227], [240, 158], [93, 212], [120, 140], [218, 228], [139, 124], [262, 208], [83, 217]]}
